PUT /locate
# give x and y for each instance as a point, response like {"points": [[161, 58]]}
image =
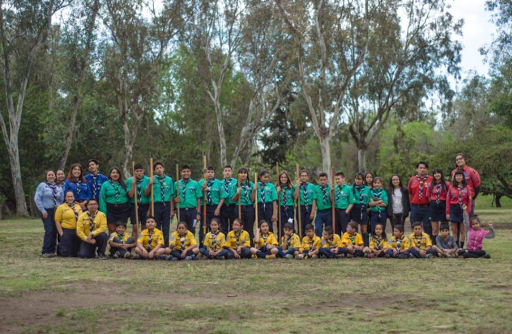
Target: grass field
{"points": [[39, 295]]}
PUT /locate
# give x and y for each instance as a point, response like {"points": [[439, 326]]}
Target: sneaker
{"points": [[486, 256], [48, 255], [272, 256], [429, 256], [191, 257], [161, 257], [103, 257], [127, 255], [289, 256], [387, 256], [116, 255]]}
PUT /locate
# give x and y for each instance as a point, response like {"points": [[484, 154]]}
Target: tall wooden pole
{"points": [[152, 210], [179, 190], [204, 195], [279, 202], [136, 202], [256, 201], [333, 202], [298, 205], [240, 197]]}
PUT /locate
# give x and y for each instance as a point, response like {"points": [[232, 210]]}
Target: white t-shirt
{"points": [[397, 201]]}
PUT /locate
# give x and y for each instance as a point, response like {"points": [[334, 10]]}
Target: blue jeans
{"points": [[421, 213], [327, 253], [323, 218], [245, 253], [222, 254], [50, 232], [378, 218], [281, 253], [416, 253], [121, 251]]}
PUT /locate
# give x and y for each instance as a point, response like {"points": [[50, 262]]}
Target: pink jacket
{"points": [[476, 238]]}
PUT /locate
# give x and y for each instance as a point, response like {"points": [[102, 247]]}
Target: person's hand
{"points": [[183, 254], [151, 254], [464, 206], [490, 224], [173, 244], [145, 253], [238, 190], [61, 234], [151, 181], [93, 242], [334, 250], [172, 214], [45, 215], [274, 218], [216, 213], [134, 180], [198, 217], [278, 189], [448, 217], [312, 215], [298, 182], [237, 256], [204, 186], [177, 199], [423, 253], [395, 251], [123, 246]]}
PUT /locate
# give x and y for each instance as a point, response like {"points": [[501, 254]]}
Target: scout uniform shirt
{"points": [[234, 239], [379, 194], [163, 188], [378, 244], [323, 197], [292, 242], [140, 186], [342, 196], [182, 241], [399, 244], [213, 191], [360, 195], [351, 240], [81, 190], [307, 193], [67, 215], [189, 192], [268, 191], [95, 183], [268, 239], [246, 192], [227, 190], [112, 193], [214, 241], [417, 189], [423, 241], [86, 223], [124, 238], [286, 196], [150, 239], [335, 242], [310, 244]]}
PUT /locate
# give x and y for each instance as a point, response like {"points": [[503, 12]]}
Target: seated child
{"points": [[265, 242], [182, 244], [445, 246], [121, 243], [398, 245], [310, 244], [290, 243], [213, 244], [238, 243], [352, 242], [475, 238], [421, 245], [378, 243], [150, 244], [330, 244]]}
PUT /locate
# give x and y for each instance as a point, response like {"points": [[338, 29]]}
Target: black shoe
{"points": [[486, 256], [103, 257]]}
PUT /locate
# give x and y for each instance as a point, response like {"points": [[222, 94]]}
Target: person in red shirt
{"points": [[437, 192], [458, 200], [472, 177], [418, 196]]}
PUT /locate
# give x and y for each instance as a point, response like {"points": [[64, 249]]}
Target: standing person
{"points": [[378, 205], [399, 206], [95, 178], [343, 202], [66, 218], [305, 191], [227, 210], [212, 188], [48, 197], [361, 199], [285, 191], [61, 178], [91, 228], [471, 175], [458, 200], [114, 199], [248, 192], [78, 185], [368, 179], [437, 193], [418, 197], [323, 203], [138, 185], [267, 199], [163, 197], [189, 196]]}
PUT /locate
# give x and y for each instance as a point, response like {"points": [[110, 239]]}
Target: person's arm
{"points": [[254, 196], [147, 191], [296, 193], [103, 226], [491, 233], [385, 199], [133, 186], [274, 211], [38, 197], [80, 228], [475, 178], [409, 190], [58, 220], [103, 198]]}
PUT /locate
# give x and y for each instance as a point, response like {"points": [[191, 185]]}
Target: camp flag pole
{"points": [[179, 190], [136, 203], [152, 211], [278, 183], [333, 202], [240, 197], [204, 195], [256, 201], [298, 205]]}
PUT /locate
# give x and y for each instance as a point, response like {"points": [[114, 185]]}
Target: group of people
{"points": [[88, 213]]}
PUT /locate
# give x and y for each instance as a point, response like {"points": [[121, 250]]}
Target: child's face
{"points": [[150, 224], [369, 178], [358, 181], [185, 174], [323, 181], [242, 176], [459, 178], [327, 236], [339, 180], [288, 231], [159, 170], [351, 230], [310, 233], [283, 178], [120, 229], [418, 229], [396, 181], [210, 174], [304, 177], [139, 173], [264, 228], [264, 178], [397, 233], [214, 226], [377, 184], [437, 176], [475, 225], [236, 226], [445, 233], [60, 175], [422, 170], [227, 172], [181, 229], [378, 230]]}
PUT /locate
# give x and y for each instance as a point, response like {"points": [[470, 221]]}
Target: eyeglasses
{"points": [[459, 159]]}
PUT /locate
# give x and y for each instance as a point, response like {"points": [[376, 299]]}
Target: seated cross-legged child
{"points": [[378, 243], [398, 246], [445, 246], [265, 242], [121, 243], [330, 244], [310, 244], [475, 239], [352, 243], [238, 242], [290, 243], [421, 245], [150, 244], [213, 244], [182, 244]]}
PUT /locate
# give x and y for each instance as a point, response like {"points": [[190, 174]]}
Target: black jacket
{"points": [[405, 203]]}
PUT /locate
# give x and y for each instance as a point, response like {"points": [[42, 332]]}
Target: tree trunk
{"points": [[222, 136], [325, 147], [498, 201], [361, 159], [128, 146], [19, 193], [71, 131]]}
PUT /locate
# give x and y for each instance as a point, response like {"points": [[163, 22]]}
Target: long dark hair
{"points": [[391, 186], [383, 232], [121, 181], [70, 174], [443, 182], [364, 179], [288, 183], [454, 181], [361, 176]]}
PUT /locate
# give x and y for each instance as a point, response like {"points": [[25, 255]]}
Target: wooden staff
{"points": [[298, 205], [136, 202], [152, 210], [256, 201], [240, 198], [278, 183], [179, 189], [333, 202], [204, 195]]}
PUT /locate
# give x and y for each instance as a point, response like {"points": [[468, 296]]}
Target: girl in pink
{"points": [[476, 235], [458, 204]]}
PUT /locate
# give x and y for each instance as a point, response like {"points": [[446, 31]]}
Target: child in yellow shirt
{"points": [[331, 244], [265, 242], [421, 244], [182, 244], [290, 243], [398, 246], [121, 243], [310, 244], [150, 244], [378, 243], [214, 241], [352, 242], [238, 242]]}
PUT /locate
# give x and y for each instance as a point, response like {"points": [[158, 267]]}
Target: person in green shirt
{"points": [[342, 200], [306, 192], [212, 189], [188, 195], [285, 191], [228, 209], [378, 205], [323, 199], [360, 199], [247, 190], [163, 196], [267, 199], [114, 199], [137, 186]]}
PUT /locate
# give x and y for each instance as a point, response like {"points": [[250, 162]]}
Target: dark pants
{"points": [[245, 253], [163, 219], [69, 243], [177, 253], [222, 254], [248, 219], [263, 252], [50, 232], [89, 251], [281, 253], [187, 216], [358, 253], [323, 217], [403, 255], [342, 220], [397, 219], [121, 251], [265, 213], [227, 215], [210, 214], [287, 214], [143, 213], [378, 218], [305, 213], [473, 254], [327, 253], [420, 213], [416, 253]]}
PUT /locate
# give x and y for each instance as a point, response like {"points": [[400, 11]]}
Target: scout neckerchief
{"points": [[359, 190], [161, 180], [289, 241], [352, 239], [285, 194], [227, 183], [304, 187], [91, 221], [78, 188], [94, 178], [324, 194], [337, 194], [459, 195], [138, 185], [399, 243], [311, 243], [150, 239], [72, 207], [121, 237], [422, 183], [53, 186], [245, 188], [214, 238], [418, 240], [237, 235], [378, 242], [116, 187], [184, 188], [438, 193], [262, 193], [209, 185], [182, 240], [377, 193], [265, 237]]}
